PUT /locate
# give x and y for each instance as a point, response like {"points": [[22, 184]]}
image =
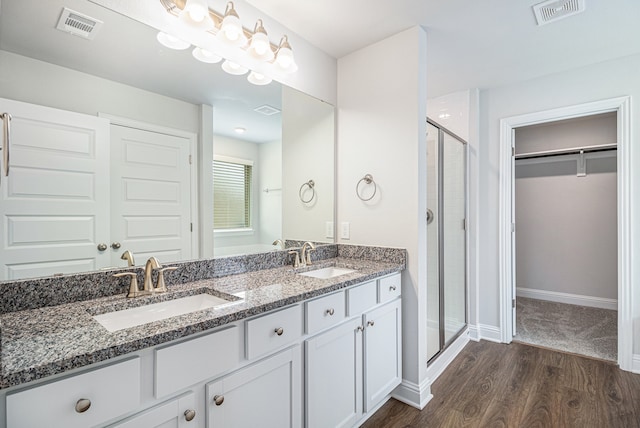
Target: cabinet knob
{"points": [[360, 328], [102, 247], [279, 331], [115, 245], [392, 288], [330, 311], [218, 399], [82, 405], [190, 414], [370, 323]]}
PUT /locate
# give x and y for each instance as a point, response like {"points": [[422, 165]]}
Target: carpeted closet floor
{"points": [[577, 329]]}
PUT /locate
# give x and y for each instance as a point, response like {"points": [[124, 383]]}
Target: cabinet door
{"points": [[382, 353], [265, 394], [179, 412], [334, 376], [54, 205]]}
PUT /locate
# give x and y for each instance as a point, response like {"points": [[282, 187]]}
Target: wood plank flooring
{"points": [[517, 385]]}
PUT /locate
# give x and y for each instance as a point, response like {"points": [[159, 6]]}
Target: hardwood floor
{"points": [[517, 385]]}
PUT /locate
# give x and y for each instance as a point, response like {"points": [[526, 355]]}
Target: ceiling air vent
{"points": [[78, 24], [267, 110], [553, 10]]}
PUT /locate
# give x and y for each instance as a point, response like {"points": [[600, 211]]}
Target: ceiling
{"points": [[471, 43]]}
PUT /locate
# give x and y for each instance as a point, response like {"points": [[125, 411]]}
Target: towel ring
{"points": [[311, 186], [368, 179]]}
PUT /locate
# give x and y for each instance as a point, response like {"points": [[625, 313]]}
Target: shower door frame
{"points": [[443, 345]]}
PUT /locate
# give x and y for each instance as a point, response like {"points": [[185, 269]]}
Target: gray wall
{"points": [[566, 227]]}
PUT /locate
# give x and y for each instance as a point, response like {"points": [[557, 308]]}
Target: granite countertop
{"points": [[41, 342]]}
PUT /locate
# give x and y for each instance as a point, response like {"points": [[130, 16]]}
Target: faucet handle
{"points": [[296, 258], [161, 287], [134, 291], [308, 255]]}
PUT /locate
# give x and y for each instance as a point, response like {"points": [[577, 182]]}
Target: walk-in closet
{"points": [[566, 235]]}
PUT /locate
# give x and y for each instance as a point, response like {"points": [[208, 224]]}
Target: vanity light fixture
{"points": [[196, 15], [258, 79], [172, 42], [233, 68], [260, 46], [204, 55], [229, 30]]}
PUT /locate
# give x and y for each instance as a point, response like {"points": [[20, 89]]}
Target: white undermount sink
{"points": [[328, 272], [127, 318]]}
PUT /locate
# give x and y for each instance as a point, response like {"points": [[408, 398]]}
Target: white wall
{"points": [[38, 82], [381, 131], [600, 81], [270, 159], [308, 144]]}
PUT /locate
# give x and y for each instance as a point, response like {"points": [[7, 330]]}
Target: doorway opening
{"points": [[507, 239], [565, 255]]}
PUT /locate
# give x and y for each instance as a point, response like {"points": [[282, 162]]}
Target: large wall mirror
{"points": [[271, 145]]}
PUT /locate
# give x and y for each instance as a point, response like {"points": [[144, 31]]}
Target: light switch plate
{"points": [[344, 230], [328, 229]]}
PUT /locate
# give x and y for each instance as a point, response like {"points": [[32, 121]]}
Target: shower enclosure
{"points": [[446, 238]]}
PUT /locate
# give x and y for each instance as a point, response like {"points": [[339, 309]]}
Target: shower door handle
{"points": [[429, 216], [4, 147]]}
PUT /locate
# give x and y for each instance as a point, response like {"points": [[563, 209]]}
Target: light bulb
{"points": [[284, 57], [231, 31], [196, 15]]}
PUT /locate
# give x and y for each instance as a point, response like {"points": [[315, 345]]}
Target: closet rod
{"points": [[569, 151]]}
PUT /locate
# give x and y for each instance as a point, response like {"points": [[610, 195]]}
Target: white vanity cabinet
{"points": [[265, 394], [352, 367], [179, 412]]}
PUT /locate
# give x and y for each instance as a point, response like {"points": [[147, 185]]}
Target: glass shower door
{"points": [[446, 238]]}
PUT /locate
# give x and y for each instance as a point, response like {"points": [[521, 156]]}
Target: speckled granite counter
{"points": [[40, 342]]}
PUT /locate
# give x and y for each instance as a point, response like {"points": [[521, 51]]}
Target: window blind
{"points": [[231, 195]]}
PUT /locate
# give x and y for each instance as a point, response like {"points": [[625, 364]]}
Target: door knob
{"points": [[82, 405], [189, 414], [279, 331], [115, 245], [102, 247], [218, 399]]}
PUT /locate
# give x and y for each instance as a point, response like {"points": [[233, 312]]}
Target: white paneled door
{"points": [[54, 203], [150, 194]]}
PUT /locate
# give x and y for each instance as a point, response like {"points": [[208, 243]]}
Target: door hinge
{"points": [[191, 226], [513, 151], [464, 224], [513, 303], [190, 160], [513, 227]]}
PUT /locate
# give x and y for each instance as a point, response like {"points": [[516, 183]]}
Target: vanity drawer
{"points": [[273, 331], [186, 363], [361, 297], [389, 288], [111, 391], [325, 312]]}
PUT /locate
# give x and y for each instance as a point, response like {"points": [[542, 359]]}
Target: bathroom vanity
{"points": [[287, 350]]}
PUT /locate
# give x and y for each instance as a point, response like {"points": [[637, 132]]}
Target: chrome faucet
{"points": [[152, 263], [279, 242], [128, 256], [305, 253]]}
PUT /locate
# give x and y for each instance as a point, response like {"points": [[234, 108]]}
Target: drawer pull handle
{"points": [[82, 405], [190, 414], [218, 399], [279, 331], [392, 288], [330, 311], [360, 328], [370, 323]]}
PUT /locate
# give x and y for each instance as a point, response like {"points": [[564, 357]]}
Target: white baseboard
{"points": [[490, 333], [571, 299], [474, 333], [413, 394], [635, 365], [435, 369]]}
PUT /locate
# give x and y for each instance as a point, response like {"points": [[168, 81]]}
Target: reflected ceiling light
{"points": [[240, 130], [172, 42], [258, 79], [231, 31], [206, 56], [284, 57], [260, 46], [233, 68]]}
